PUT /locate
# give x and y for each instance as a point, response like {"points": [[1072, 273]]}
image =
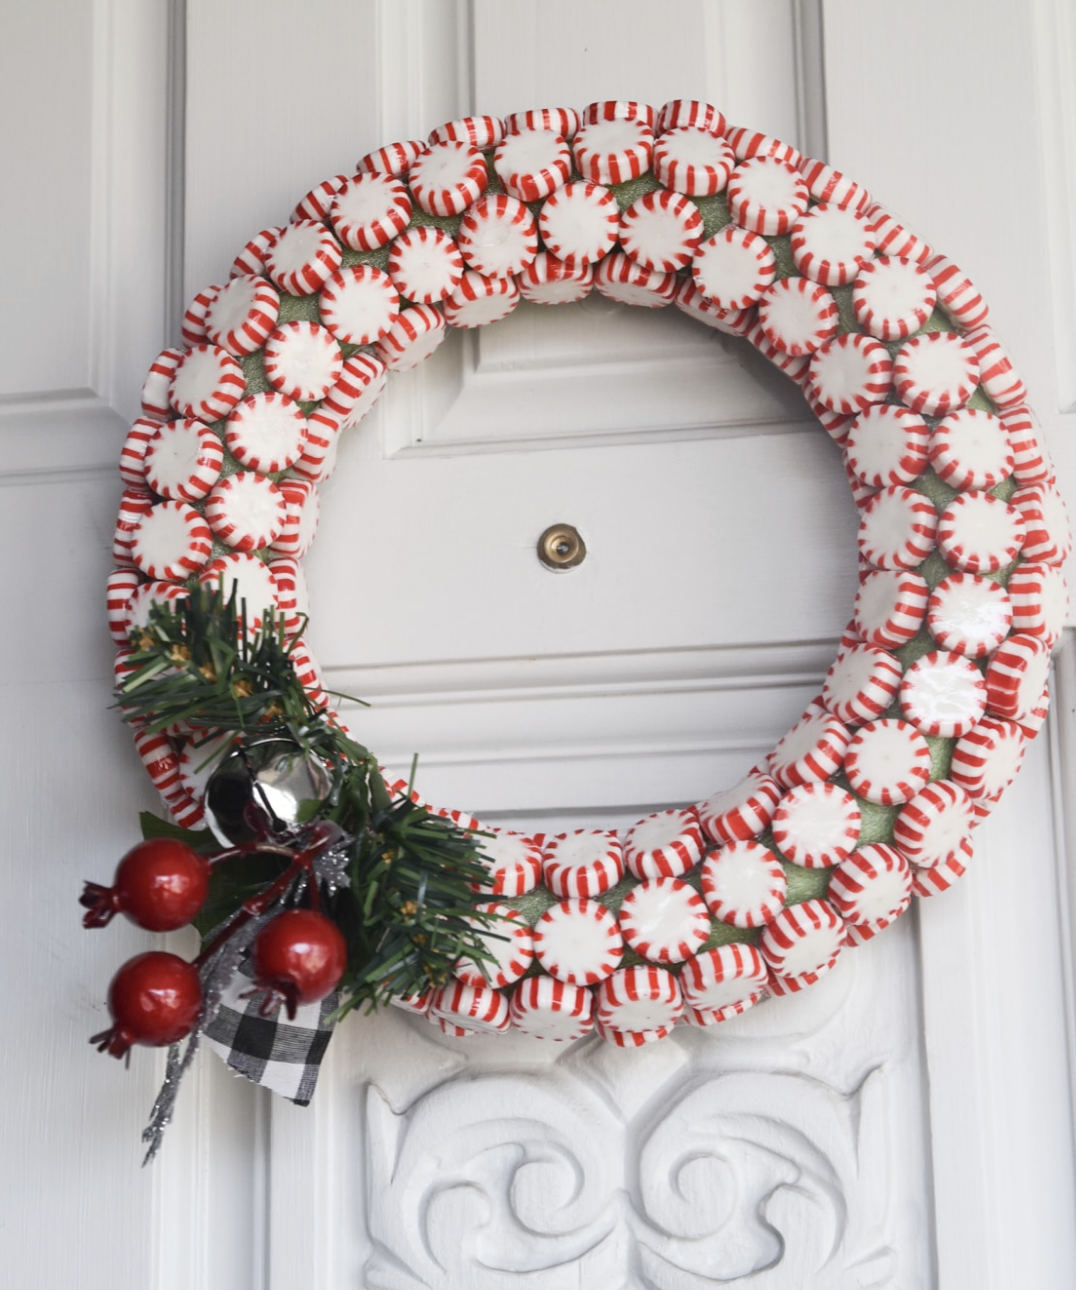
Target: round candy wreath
{"points": [[696, 913]]}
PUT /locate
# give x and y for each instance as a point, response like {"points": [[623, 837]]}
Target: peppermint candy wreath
{"points": [[696, 913]]}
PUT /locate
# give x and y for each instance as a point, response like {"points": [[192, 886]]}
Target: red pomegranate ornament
{"points": [[297, 958], [154, 999], [160, 885]]}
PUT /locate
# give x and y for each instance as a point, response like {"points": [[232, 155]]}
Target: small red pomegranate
{"points": [[160, 885], [154, 999], [297, 958]]}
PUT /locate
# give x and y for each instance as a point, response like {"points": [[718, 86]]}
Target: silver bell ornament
{"points": [[266, 781]]}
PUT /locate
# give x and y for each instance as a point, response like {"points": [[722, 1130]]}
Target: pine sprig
{"points": [[408, 913]]}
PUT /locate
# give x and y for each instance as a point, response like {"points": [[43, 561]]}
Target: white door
{"points": [[906, 1122]]}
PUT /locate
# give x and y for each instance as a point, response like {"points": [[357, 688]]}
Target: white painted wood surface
{"points": [[907, 1123]]}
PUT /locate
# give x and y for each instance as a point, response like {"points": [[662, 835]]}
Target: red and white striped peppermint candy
{"points": [[471, 1007], [183, 460], [159, 758], [664, 845], [813, 749], [412, 338], [766, 195], [148, 595], [1031, 723], [661, 230], [933, 881], [419, 1004], [970, 449], [956, 294], [986, 760], [1039, 601], [890, 607], [482, 132], [207, 383], [292, 597], [1048, 534], [794, 366], [935, 373], [969, 615], [816, 825], [514, 861], [533, 163], [873, 887], [545, 1008], [664, 920], [251, 259], [722, 983], [242, 314], [585, 862], [370, 210], [638, 1000], [678, 113], [360, 384], [156, 391], [266, 432], [850, 373], [860, 684], [1031, 458], [580, 223], [743, 811], [307, 672], [192, 328], [887, 445], [693, 161], [578, 942], [170, 542], [120, 587], [691, 301], [1016, 677], [831, 243], [246, 511], [498, 236], [302, 360], [562, 121], [425, 264], [743, 884], [302, 507], [830, 186], [979, 533], [897, 528], [359, 304], [478, 301], [392, 159], [508, 940], [613, 151], [447, 177], [622, 279], [943, 694], [617, 110], [797, 316], [802, 938], [933, 827], [997, 373], [135, 504], [302, 258], [316, 203], [894, 240], [549, 281], [250, 579], [888, 762], [317, 460], [747, 143], [734, 267], [892, 297]]}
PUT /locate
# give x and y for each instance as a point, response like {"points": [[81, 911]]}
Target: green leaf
{"points": [[201, 840]]}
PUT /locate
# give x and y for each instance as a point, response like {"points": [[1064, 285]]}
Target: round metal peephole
{"points": [[561, 547]]}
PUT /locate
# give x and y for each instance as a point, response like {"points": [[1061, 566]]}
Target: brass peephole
{"points": [[561, 547]]}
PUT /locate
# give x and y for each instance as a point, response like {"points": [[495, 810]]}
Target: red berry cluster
{"points": [[156, 998]]}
